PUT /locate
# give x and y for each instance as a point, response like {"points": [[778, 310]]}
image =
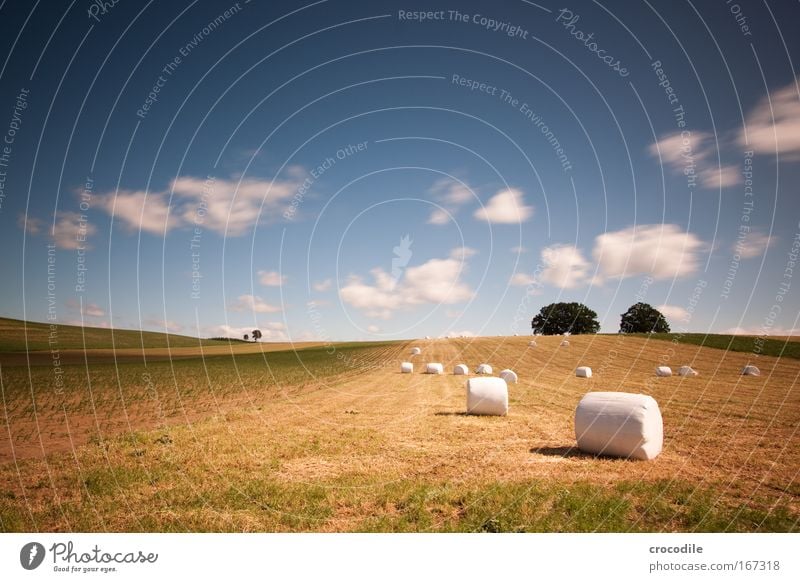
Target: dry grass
{"points": [[350, 450]]}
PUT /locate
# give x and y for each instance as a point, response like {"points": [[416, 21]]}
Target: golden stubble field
{"points": [[367, 448]]}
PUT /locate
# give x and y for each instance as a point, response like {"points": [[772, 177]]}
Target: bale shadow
{"points": [[450, 414], [565, 451]]}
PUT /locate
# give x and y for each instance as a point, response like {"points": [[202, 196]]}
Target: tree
{"points": [[256, 335], [246, 337], [643, 318], [559, 318]]}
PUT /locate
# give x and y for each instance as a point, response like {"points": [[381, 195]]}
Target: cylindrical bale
{"points": [[564, 343], [687, 371], [406, 367], [663, 371], [487, 396], [532, 344], [483, 369], [510, 376], [434, 368], [415, 351], [461, 370], [750, 370], [619, 424], [583, 372]]}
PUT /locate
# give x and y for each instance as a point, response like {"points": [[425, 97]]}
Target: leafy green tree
{"points": [[256, 335], [246, 337], [643, 318], [560, 318]]}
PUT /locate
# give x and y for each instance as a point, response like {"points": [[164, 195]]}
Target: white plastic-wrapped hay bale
{"points": [[427, 337], [619, 424], [663, 371], [483, 369], [434, 368], [415, 351], [532, 344], [461, 370], [487, 396], [406, 368], [750, 370], [564, 343], [510, 376], [687, 371], [583, 372]]}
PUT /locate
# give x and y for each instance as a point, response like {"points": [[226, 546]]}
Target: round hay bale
{"points": [[510, 376], [687, 371], [532, 344], [583, 372], [663, 371], [461, 370], [619, 424], [564, 343], [750, 370], [434, 368], [415, 351], [487, 396], [483, 369], [406, 368]]}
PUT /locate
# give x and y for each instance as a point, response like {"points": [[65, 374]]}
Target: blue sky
{"points": [[334, 170]]}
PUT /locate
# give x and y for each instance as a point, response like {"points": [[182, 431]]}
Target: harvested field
{"points": [[337, 439]]}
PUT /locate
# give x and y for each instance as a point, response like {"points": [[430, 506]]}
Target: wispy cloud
{"points": [[773, 126], [71, 230], [271, 278], [322, 286], [753, 245], [451, 195], [695, 152], [225, 206], [254, 304], [564, 266]]}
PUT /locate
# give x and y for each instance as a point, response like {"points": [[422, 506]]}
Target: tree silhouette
{"points": [[559, 318]]}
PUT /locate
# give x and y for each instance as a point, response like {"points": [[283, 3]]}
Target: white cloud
{"points": [[462, 253], [663, 251], [674, 313], [753, 245], [720, 177], [439, 217], [70, 231], [238, 332], [373, 328], [522, 280], [93, 310], [275, 325], [465, 333], [774, 124], [436, 281], [695, 152], [225, 206], [140, 211], [252, 303], [518, 250], [88, 310], [322, 286], [451, 193], [564, 266], [271, 278], [505, 207]]}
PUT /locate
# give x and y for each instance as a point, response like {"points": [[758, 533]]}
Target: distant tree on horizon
{"points": [[643, 318], [256, 335], [246, 337], [561, 318]]}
